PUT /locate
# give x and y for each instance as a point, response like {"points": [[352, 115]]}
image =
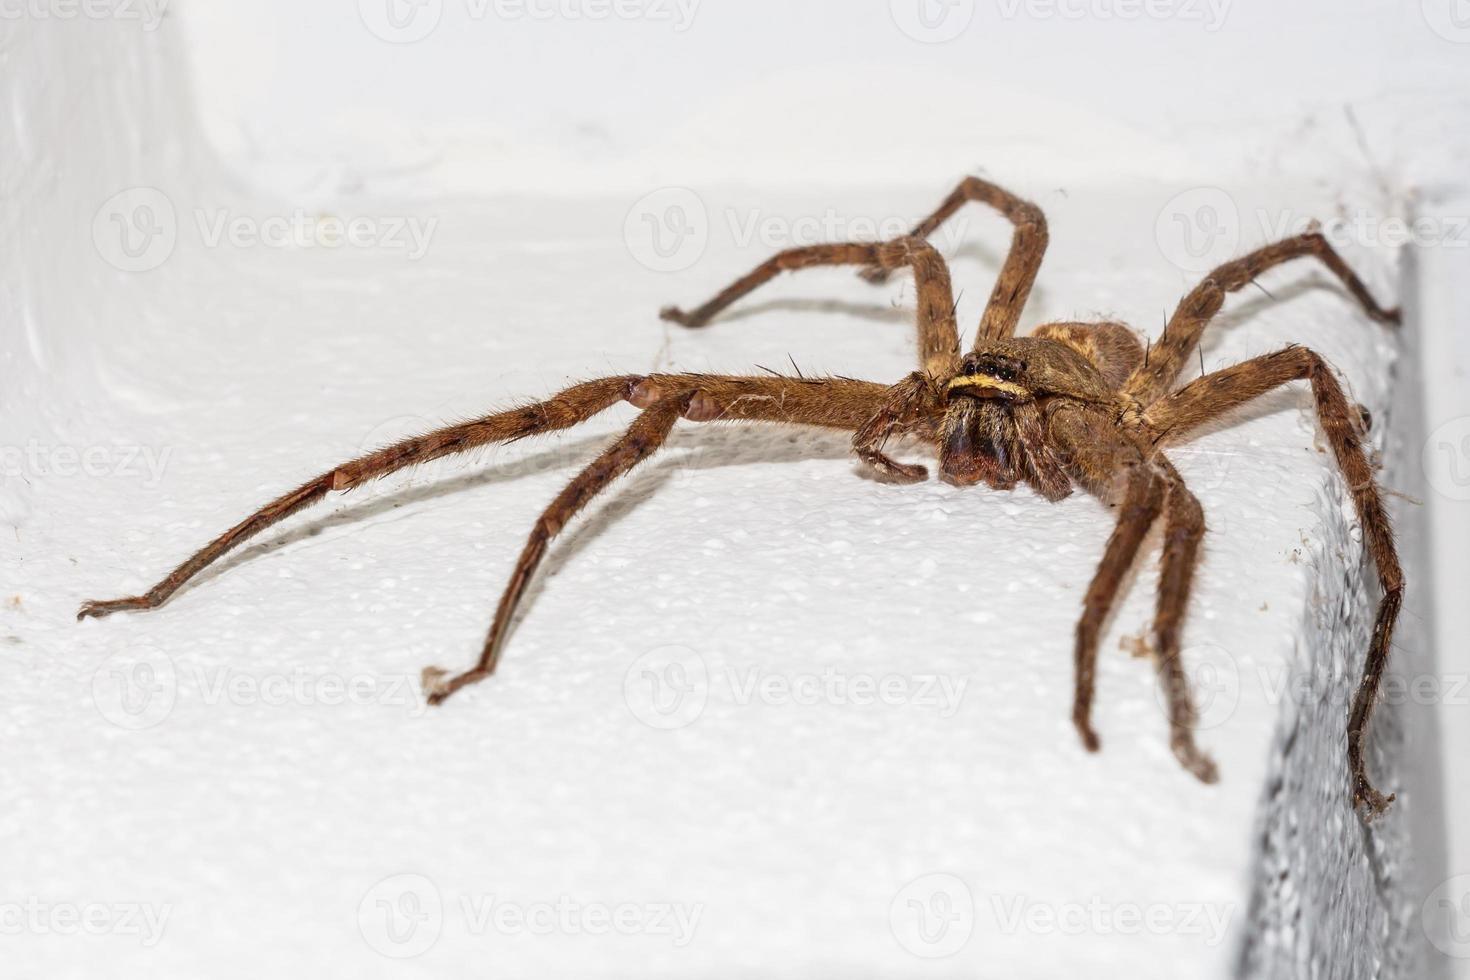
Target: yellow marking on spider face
{"points": [[985, 381]]}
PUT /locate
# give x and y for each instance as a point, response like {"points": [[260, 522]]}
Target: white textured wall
{"points": [[93, 107], [492, 95], [267, 832]]}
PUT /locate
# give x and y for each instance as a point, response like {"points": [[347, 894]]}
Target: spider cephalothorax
{"points": [[997, 405], [1073, 404]]}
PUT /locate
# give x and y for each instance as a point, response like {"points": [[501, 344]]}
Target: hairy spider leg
{"points": [[1174, 416], [939, 339], [1182, 333]]}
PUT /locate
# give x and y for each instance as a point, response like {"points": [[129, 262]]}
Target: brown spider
{"points": [[1074, 403]]}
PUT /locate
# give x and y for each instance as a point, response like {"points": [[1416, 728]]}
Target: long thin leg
{"points": [[574, 405], [1136, 514], [939, 339], [1173, 417], [1184, 527], [1116, 471], [837, 403], [1017, 275], [642, 439], [1195, 311]]}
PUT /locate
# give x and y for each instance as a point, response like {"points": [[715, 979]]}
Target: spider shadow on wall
{"points": [[897, 309], [703, 447]]}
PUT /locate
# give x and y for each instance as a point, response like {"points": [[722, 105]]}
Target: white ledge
{"points": [[793, 838]]}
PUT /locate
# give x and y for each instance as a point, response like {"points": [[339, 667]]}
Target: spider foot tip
{"points": [[1205, 770], [435, 689], [1374, 803], [675, 315], [892, 471], [1090, 741], [98, 608]]}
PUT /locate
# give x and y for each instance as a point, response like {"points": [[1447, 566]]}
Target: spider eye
{"points": [[1000, 368]]}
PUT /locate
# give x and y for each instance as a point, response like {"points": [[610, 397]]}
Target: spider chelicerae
{"points": [[1072, 405]]}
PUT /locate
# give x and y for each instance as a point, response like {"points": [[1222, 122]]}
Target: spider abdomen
{"points": [[1113, 348]]}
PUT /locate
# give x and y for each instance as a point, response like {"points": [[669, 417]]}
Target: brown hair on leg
{"points": [[574, 405], [1114, 470], [1171, 419], [939, 338], [1184, 527], [1023, 261], [1182, 334], [644, 437]]}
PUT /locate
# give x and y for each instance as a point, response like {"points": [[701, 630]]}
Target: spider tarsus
{"points": [[1090, 741], [437, 690], [1374, 803], [97, 608], [1393, 317], [675, 315], [432, 680], [1197, 762], [893, 471]]}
